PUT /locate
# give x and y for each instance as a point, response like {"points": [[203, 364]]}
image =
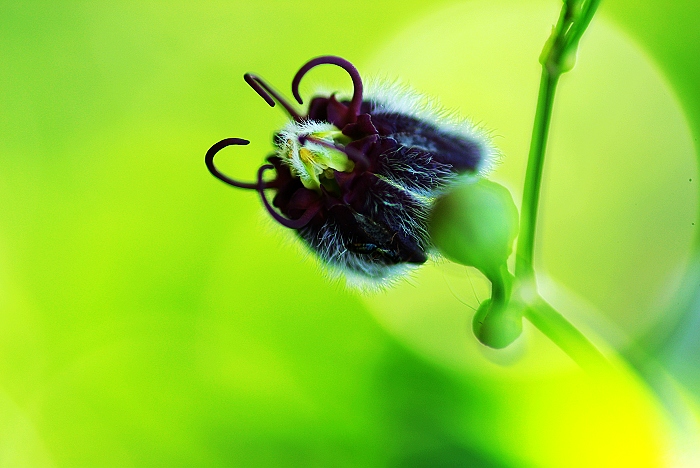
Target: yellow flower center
{"points": [[315, 164]]}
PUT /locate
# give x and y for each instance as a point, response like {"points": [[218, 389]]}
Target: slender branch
{"points": [[558, 56], [565, 335], [533, 178]]}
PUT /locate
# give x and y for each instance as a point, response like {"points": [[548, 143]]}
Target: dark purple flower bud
{"points": [[356, 178]]}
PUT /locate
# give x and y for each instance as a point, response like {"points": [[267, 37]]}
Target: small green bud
{"points": [[498, 324], [475, 224]]}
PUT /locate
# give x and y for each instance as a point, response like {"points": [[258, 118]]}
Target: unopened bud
{"points": [[497, 324], [475, 224]]}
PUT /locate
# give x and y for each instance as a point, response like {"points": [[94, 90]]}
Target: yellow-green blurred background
{"points": [[152, 316]]}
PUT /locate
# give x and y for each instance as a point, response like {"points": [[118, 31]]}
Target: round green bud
{"points": [[497, 324], [475, 224]]}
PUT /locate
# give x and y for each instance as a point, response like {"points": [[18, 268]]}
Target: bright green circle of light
{"points": [[619, 194]]}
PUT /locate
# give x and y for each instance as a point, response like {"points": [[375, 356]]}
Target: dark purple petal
{"points": [[413, 168], [447, 148], [338, 114], [302, 199], [318, 109], [360, 129]]}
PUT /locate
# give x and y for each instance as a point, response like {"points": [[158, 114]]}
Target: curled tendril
{"points": [[354, 155], [270, 95], [290, 223], [356, 101], [209, 161]]}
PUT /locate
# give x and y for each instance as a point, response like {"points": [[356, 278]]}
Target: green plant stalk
{"points": [[524, 269], [565, 335], [558, 56]]}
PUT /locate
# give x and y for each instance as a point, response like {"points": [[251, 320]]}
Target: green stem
{"points": [[558, 56], [498, 324], [501, 284], [533, 179], [565, 335]]}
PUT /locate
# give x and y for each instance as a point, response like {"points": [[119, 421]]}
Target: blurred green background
{"points": [[150, 315]]}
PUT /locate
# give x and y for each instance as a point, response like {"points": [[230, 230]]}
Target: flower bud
{"points": [[498, 323], [475, 224]]}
